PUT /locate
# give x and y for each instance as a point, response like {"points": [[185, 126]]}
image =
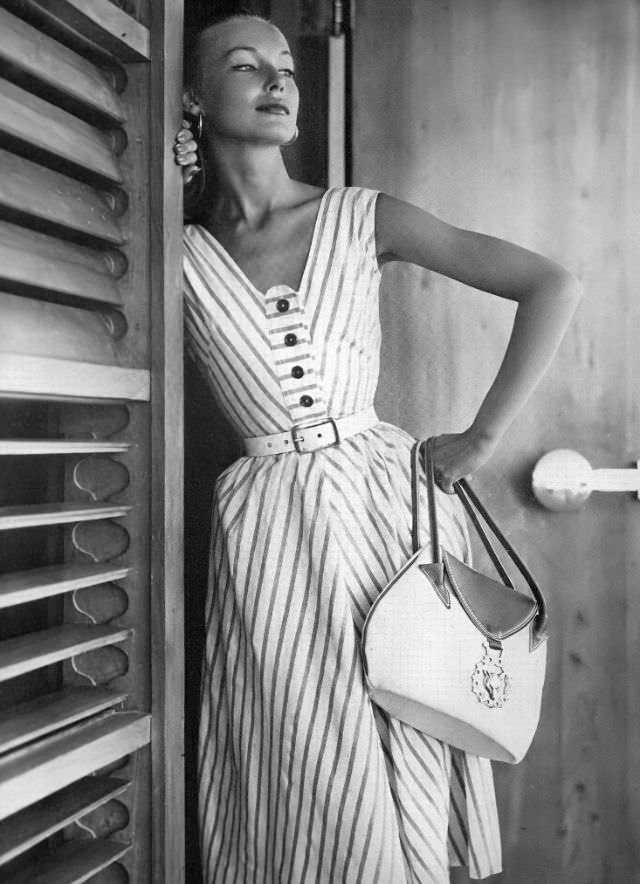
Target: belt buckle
{"points": [[299, 440]]}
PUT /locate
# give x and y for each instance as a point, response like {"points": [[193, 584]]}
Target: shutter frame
{"points": [[106, 274]]}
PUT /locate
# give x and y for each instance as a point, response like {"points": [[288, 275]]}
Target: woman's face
{"points": [[246, 87]]}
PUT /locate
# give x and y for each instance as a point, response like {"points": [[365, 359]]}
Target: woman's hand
{"points": [[456, 455], [185, 149]]}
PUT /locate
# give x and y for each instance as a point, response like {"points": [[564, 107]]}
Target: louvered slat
{"points": [[74, 80], [50, 764], [43, 378], [34, 13], [12, 517], [51, 712], [43, 198], [42, 329], [49, 129], [60, 446], [23, 830], [28, 264], [39, 583], [106, 25], [99, 260], [24, 653], [74, 862]]}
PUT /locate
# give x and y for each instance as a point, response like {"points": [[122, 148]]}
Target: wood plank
{"points": [[336, 110], [51, 712], [24, 653], [30, 516], [74, 862], [53, 132], [41, 328], [46, 22], [20, 587], [22, 447], [59, 379], [38, 770], [69, 76], [53, 202], [23, 830], [100, 259], [106, 25], [167, 456], [29, 265]]}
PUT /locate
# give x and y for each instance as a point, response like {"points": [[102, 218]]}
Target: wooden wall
{"points": [[520, 118]]}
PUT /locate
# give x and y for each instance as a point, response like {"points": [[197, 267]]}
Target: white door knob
{"points": [[563, 480]]}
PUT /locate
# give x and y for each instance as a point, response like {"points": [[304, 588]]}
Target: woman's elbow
{"points": [[560, 284], [571, 288]]}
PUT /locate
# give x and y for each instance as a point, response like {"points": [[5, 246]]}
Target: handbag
{"points": [[452, 652]]}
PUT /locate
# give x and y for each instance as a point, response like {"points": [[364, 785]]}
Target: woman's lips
{"points": [[273, 109]]}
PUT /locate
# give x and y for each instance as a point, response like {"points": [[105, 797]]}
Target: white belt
{"points": [[310, 437]]}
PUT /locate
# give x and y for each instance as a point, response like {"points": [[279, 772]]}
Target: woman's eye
{"points": [[288, 72], [244, 67]]}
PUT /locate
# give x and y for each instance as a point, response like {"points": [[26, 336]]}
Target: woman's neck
{"points": [[247, 183]]}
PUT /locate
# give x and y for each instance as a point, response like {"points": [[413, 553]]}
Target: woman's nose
{"points": [[275, 81]]}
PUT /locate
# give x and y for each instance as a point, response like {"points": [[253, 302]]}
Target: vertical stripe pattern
{"points": [[302, 779]]}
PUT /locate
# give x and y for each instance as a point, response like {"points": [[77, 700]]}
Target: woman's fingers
{"points": [[186, 158], [457, 456], [189, 173], [182, 147], [185, 150], [444, 483]]}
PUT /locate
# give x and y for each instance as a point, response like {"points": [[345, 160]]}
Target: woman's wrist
{"points": [[483, 436]]}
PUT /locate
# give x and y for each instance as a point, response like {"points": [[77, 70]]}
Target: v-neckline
{"points": [[283, 285]]}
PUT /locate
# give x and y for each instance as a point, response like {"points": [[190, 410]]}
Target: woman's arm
{"points": [[546, 294]]}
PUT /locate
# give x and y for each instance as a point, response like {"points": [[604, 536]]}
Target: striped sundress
{"points": [[301, 777]]}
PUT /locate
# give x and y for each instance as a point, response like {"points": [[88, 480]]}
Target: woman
{"points": [[301, 777]]}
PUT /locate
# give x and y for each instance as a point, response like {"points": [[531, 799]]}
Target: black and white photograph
{"points": [[319, 441]]}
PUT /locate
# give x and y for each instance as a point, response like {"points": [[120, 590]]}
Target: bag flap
{"points": [[496, 610], [434, 572]]}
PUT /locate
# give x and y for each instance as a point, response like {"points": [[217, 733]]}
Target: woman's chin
{"points": [[265, 136]]}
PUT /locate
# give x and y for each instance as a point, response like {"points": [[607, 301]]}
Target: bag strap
{"points": [[461, 488], [431, 500], [475, 510]]}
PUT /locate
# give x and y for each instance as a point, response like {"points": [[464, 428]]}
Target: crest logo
{"points": [[489, 681]]}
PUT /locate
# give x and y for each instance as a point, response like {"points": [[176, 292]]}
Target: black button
{"points": [[282, 305], [307, 401], [297, 371], [291, 340]]}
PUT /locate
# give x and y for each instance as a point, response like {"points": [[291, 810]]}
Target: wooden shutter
{"points": [[90, 443]]}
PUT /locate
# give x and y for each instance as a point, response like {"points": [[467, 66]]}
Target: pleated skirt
{"points": [[302, 778]]}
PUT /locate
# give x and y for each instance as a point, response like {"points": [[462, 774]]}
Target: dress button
{"points": [[291, 340], [297, 371], [306, 401], [282, 305]]}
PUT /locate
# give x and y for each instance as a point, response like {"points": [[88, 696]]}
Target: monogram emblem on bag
{"points": [[489, 681]]}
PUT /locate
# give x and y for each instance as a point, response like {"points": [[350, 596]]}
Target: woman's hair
{"points": [[194, 30]]}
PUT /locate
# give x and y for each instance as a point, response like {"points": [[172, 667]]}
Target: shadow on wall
{"points": [[210, 446]]}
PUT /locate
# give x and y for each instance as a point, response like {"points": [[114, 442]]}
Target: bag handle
{"points": [[475, 509]]}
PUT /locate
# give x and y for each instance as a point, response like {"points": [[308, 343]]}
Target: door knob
{"points": [[563, 480]]}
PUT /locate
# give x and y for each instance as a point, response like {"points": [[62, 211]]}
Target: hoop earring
{"points": [[196, 184], [195, 122], [198, 126], [293, 140]]}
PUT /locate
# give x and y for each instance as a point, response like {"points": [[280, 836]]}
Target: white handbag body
{"points": [[454, 653]]}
